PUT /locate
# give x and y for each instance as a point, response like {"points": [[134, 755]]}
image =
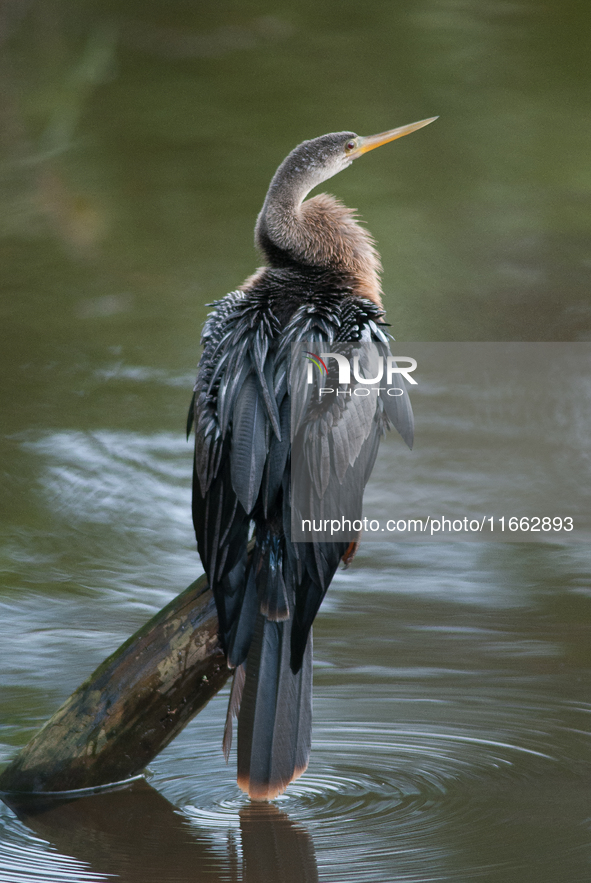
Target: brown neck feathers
{"points": [[321, 233]]}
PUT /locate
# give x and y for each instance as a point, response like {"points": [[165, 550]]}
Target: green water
{"points": [[452, 683]]}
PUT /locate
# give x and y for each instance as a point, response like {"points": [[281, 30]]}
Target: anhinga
{"points": [[321, 283]]}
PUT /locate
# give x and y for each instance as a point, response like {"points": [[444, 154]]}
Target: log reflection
{"points": [[137, 835]]}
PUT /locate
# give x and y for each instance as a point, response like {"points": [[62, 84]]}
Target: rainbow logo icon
{"points": [[316, 360]]}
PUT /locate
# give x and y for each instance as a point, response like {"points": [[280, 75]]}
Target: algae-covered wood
{"points": [[132, 706]]}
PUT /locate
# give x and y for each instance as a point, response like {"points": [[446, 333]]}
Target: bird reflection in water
{"points": [[138, 836]]}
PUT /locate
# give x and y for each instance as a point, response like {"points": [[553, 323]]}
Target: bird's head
{"points": [[315, 161], [321, 232]]}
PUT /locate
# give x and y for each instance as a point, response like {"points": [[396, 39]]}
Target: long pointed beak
{"points": [[371, 141]]}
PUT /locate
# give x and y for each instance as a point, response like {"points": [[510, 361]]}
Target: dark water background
{"points": [[452, 734]]}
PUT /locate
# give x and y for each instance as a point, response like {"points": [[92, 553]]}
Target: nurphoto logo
{"points": [[319, 360]]}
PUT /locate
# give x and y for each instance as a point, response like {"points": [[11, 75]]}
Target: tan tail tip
{"points": [[267, 790]]}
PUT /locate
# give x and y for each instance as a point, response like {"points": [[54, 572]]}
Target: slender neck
{"points": [[280, 233], [320, 233]]}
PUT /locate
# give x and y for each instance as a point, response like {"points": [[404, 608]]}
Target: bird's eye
{"points": [[350, 145]]}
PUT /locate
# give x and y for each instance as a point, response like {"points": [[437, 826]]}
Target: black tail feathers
{"points": [[275, 718]]}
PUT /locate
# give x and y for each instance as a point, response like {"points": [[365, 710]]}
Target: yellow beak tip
{"points": [[372, 141]]}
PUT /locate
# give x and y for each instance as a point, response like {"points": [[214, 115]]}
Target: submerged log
{"points": [[132, 706]]}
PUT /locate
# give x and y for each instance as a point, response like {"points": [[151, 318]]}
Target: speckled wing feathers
{"points": [[242, 457]]}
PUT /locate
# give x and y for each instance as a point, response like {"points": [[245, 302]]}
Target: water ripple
{"points": [[429, 790], [382, 800], [25, 858]]}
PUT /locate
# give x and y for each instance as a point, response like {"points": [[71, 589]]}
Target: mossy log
{"points": [[132, 706]]}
